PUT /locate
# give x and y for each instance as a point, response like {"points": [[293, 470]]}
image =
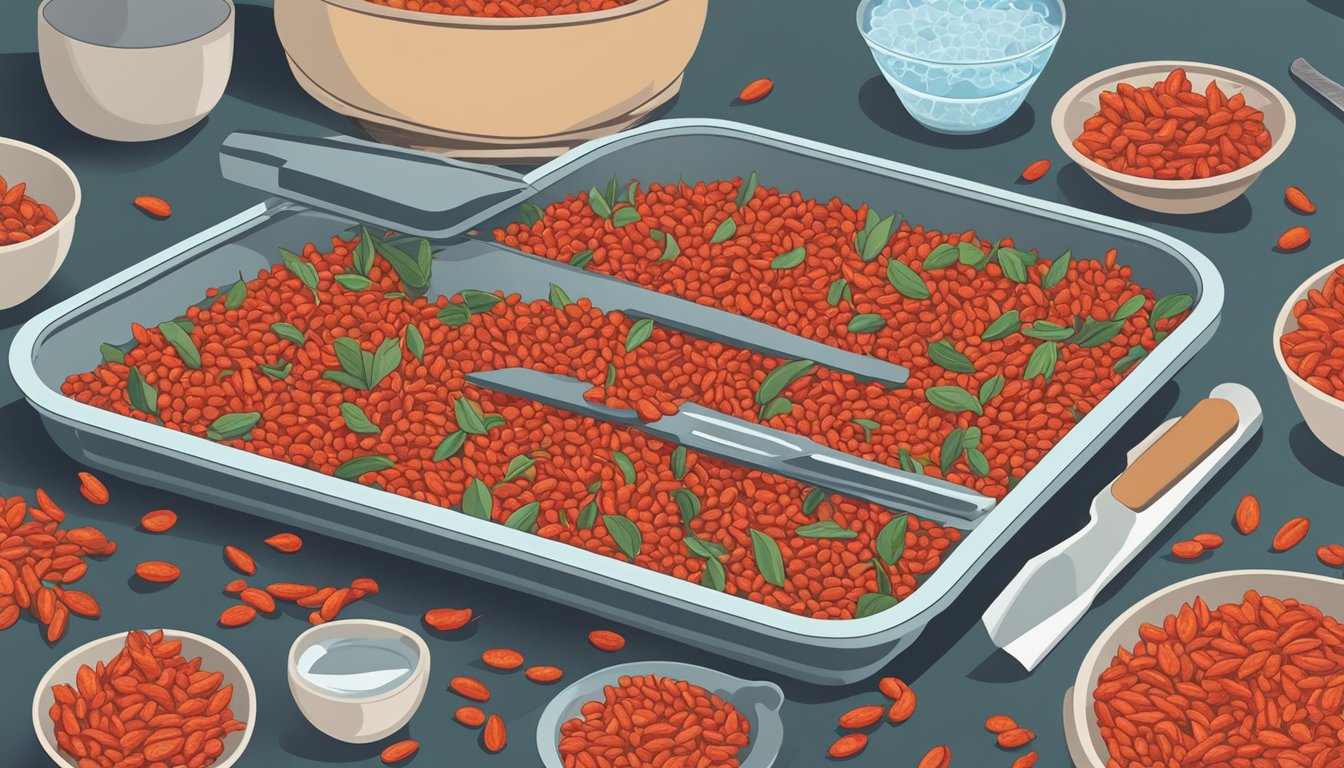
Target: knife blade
{"points": [[752, 445], [1330, 90], [1055, 589]]}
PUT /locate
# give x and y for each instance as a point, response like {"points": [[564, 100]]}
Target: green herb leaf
{"points": [[588, 515], [836, 293], [866, 323], [1014, 263], [978, 462], [279, 371], [789, 259], [288, 333], [1058, 269], [906, 280], [384, 361], [909, 463], [518, 467], [942, 353], [1170, 306], [631, 192], [236, 295], [362, 257], [361, 466], [414, 272], [713, 575], [671, 249], [1095, 334], [1132, 304], [873, 603], [394, 295], [479, 301], [301, 269], [953, 446], [450, 445], [944, 255], [415, 343], [531, 213], [232, 426], [991, 388], [598, 203], [357, 420], [867, 425], [468, 418], [581, 258], [781, 377], [611, 375], [638, 334], [353, 282], [141, 394], [883, 580], [455, 315], [625, 534], [181, 341], [626, 466], [971, 255], [1048, 331], [725, 230], [678, 462], [477, 501], [559, 299], [688, 503], [1134, 355], [611, 190], [825, 529], [777, 407], [524, 518], [112, 354], [891, 540], [876, 236], [699, 547], [1042, 361], [813, 500], [1007, 324], [769, 561], [953, 399], [624, 216], [747, 191]]}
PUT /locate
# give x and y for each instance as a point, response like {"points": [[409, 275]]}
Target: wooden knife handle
{"points": [[1181, 449]]}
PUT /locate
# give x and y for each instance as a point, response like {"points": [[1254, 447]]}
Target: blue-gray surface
{"points": [[827, 89]]}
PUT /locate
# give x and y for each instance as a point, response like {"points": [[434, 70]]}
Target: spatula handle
{"points": [[1175, 453]]}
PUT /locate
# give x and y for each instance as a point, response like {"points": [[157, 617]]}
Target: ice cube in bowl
{"points": [[961, 66]]}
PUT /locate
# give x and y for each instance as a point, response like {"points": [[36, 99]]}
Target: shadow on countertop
{"points": [[1312, 453], [880, 103], [1082, 191], [1329, 6]]}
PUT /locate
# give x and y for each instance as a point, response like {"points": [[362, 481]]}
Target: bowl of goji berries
{"points": [[1309, 346], [1215, 670], [146, 698], [1174, 136], [39, 197], [666, 713]]}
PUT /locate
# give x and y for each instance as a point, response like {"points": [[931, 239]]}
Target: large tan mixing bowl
{"points": [[490, 88]]}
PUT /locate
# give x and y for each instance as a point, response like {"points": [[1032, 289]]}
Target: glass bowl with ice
{"points": [[961, 66]]}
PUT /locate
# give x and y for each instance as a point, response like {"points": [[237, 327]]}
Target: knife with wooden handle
{"points": [[1167, 469]]}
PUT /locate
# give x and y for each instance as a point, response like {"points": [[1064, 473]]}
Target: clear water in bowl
{"points": [[961, 66]]}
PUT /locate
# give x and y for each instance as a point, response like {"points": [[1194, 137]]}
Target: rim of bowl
{"points": [[292, 660], [1054, 39], [1281, 324], [42, 19], [44, 685], [1114, 75], [508, 22], [1085, 682], [69, 174]]}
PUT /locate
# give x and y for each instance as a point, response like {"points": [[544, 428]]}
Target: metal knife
{"points": [[1332, 91], [752, 445], [1165, 471]]}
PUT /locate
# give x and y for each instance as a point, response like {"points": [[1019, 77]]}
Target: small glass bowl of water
{"points": [[961, 66]]}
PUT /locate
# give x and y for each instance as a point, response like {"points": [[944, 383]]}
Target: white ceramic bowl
{"points": [[214, 657], [1174, 195], [490, 88], [359, 719], [29, 265], [1324, 414], [1080, 724], [135, 70]]}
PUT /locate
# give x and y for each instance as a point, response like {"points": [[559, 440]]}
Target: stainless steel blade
{"points": [[1332, 91]]}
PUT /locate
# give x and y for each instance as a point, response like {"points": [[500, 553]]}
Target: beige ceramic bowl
{"points": [[135, 70], [490, 88], [1174, 196], [359, 719], [1324, 414], [30, 265], [214, 657], [1081, 732]]}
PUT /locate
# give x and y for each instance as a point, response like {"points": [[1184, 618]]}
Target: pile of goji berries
{"points": [[1315, 351], [21, 217], [326, 363], [148, 705], [503, 8], [1260, 682]]}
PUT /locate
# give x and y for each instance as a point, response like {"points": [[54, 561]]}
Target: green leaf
{"points": [[611, 375], [747, 191], [679, 462], [813, 500], [415, 343], [624, 216], [384, 361], [1014, 263], [688, 504], [181, 341], [836, 292], [777, 407], [906, 280], [559, 299], [978, 462], [1132, 304], [279, 371], [1095, 334], [699, 547], [588, 515], [781, 377], [724, 231], [581, 258], [972, 438], [971, 255], [1170, 306], [991, 388], [531, 213], [362, 258], [825, 529], [232, 426], [478, 301], [226, 373], [450, 445], [953, 445], [626, 466], [873, 603], [301, 269], [1042, 361], [524, 518], [352, 360], [141, 394], [595, 486], [942, 353], [877, 236], [1058, 269], [1048, 331], [455, 315], [344, 379], [883, 580], [891, 540], [713, 575], [1134, 355], [357, 421], [953, 399], [867, 425], [353, 282], [625, 534], [599, 203], [611, 191], [288, 333], [518, 467], [866, 323], [789, 259], [944, 255], [477, 501], [909, 463], [861, 237], [671, 249], [768, 559], [362, 465], [638, 334], [112, 354], [395, 295], [236, 295], [631, 192], [469, 419], [414, 272], [1007, 324]]}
